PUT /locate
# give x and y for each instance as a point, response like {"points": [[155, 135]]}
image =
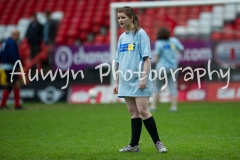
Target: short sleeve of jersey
{"points": [[144, 44], [177, 43]]}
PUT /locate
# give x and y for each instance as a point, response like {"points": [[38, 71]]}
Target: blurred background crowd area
{"points": [[87, 21]]}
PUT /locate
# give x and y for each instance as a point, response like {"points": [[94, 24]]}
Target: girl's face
{"points": [[124, 21]]}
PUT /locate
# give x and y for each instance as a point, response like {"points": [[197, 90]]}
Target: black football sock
{"points": [[136, 124], [152, 129]]}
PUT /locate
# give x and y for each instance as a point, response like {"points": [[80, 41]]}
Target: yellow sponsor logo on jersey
{"points": [[131, 47], [127, 47], [173, 46]]}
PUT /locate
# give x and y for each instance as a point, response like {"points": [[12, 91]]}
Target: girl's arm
{"points": [[117, 77], [115, 88], [157, 58], [146, 67]]}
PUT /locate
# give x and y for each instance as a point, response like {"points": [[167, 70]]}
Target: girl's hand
{"points": [[142, 84], [115, 89]]}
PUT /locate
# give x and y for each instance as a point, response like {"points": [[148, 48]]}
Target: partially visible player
{"points": [[132, 49], [166, 49], [9, 55]]}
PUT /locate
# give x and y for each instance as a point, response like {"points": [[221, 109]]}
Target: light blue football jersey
{"points": [[131, 50], [167, 49]]}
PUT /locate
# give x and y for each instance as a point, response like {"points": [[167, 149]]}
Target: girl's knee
{"points": [[134, 113], [144, 113]]}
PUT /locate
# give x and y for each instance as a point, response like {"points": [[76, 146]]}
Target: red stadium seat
{"points": [[85, 27], [228, 36], [228, 27], [4, 20], [183, 10], [193, 16], [99, 39], [182, 17], [87, 43], [172, 10], [237, 36], [83, 36], [70, 41], [237, 21], [106, 22], [95, 29], [148, 30], [75, 20], [72, 33], [206, 8], [107, 14], [120, 31], [107, 39], [181, 23], [59, 40], [88, 16], [98, 20], [216, 36], [61, 33], [150, 12], [237, 27], [13, 20]]}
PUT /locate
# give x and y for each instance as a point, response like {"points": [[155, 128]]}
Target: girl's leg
{"points": [[149, 122], [156, 89], [173, 93], [136, 121], [154, 102], [142, 107], [174, 100], [132, 107]]}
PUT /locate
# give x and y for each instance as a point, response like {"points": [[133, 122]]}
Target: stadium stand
{"points": [[87, 21]]}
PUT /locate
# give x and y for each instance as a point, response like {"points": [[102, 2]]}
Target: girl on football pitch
{"points": [[133, 48], [166, 50]]}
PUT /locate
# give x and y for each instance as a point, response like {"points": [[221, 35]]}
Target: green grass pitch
{"points": [[199, 130]]}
